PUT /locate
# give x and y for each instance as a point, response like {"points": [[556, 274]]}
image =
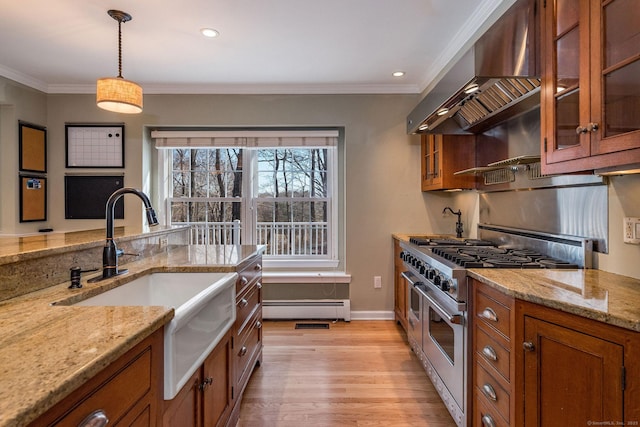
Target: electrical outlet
{"points": [[163, 242], [377, 282], [631, 230]]}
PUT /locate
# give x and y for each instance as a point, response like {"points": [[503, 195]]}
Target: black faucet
{"points": [[458, 223], [110, 252]]}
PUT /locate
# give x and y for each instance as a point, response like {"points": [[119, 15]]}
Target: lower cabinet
{"points": [[206, 399], [399, 286], [127, 393], [547, 367]]}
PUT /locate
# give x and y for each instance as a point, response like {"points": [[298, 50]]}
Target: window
{"points": [[277, 192]]}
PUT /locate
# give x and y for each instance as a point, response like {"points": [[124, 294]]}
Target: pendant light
{"points": [[116, 93]]}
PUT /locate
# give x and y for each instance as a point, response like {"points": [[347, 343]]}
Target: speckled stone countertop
{"points": [[47, 351], [595, 294]]}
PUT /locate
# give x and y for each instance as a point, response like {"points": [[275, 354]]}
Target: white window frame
{"points": [[283, 262]]}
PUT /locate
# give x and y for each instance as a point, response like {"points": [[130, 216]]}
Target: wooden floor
{"points": [[360, 373]]}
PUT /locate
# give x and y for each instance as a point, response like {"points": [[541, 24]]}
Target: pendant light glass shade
{"points": [[116, 93], [119, 95]]}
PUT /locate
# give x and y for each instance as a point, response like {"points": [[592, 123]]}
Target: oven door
{"points": [[414, 308], [444, 336]]}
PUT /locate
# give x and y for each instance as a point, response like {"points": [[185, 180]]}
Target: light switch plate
{"points": [[631, 230]]}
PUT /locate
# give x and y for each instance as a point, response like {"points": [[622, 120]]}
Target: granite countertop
{"points": [[47, 351], [595, 294]]}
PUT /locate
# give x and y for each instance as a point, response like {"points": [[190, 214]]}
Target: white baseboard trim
{"points": [[372, 315]]}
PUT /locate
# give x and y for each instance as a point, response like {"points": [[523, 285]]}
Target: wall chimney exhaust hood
{"points": [[498, 78]]}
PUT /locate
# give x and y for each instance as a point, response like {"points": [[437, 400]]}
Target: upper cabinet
{"points": [[590, 98], [442, 155]]}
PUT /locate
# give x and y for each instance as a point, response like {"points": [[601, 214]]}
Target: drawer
{"points": [[486, 386], [246, 305], [484, 414], [248, 274], [492, 352], [245, 352], [492, 313]]}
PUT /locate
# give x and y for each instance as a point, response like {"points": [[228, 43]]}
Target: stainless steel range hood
{"points": [[498, 78]]}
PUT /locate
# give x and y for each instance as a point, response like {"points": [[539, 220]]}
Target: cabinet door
{"points": [[217, 376], [565, 102], [615, 69], [185, 408], [570, 378]]}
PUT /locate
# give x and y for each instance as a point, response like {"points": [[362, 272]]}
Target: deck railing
{"points": [[297, 238]]}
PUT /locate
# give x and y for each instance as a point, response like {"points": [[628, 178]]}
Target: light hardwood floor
{"points": [[360, 373]]}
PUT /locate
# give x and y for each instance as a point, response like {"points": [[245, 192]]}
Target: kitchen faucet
{"points": [[110, 253], [458, 223]]}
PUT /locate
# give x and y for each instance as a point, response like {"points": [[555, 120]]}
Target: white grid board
{"points": [[95, 146]]}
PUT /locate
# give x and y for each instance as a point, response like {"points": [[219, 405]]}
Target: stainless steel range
{"points": [[436, 275]]}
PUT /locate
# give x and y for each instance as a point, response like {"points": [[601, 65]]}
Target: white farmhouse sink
{"points": [[204, 305]]}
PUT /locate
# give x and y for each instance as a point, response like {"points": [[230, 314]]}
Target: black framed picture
{"points": [[94, 145], [33, 198], [33, 147]]}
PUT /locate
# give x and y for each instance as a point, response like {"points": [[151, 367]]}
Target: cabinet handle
{"points": [[243, 351], [259, 285], [489, 353], [244, 280], [528, 345], [244, 302], [95, 419], [591, 127], [258, 267], [489, 314], [487, 421], [258, 324], [206, 382], [489, 392]]}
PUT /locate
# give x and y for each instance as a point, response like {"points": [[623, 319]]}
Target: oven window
{"points": [[442, 334], [415, 302]]}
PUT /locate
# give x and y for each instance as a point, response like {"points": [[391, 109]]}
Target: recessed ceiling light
{"points": [[398, 73], [209, 32]]}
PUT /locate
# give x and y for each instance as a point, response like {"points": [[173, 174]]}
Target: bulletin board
{"points": [[33, 147], [33, 198], [94, 146]]}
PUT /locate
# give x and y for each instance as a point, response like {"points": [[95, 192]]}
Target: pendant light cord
{"points": [[120, 48]]}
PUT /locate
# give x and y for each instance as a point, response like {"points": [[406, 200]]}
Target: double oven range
{"points": [[438, 293]]}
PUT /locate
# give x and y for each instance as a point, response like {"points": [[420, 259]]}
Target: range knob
{"points": [[437, 280], [432, 273], [445, 285], [403, 255], [423, 269]]}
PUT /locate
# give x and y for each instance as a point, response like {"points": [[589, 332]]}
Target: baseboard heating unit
{"points": [[307, 309]]}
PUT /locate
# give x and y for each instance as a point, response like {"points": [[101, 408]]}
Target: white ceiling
{"points": [[265, 46]]}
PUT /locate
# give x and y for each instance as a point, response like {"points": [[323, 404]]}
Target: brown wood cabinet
{"points": [[246, 342], [128, 392], [538, 366], [441, 156], [590, 93], [206, 399], [399, 287]]}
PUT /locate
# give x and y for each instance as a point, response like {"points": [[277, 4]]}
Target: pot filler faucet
{"points": [[458, 223], [110, 253]]}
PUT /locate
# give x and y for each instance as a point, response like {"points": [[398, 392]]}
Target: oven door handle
{"points": [[455, 319], [410, 277]]}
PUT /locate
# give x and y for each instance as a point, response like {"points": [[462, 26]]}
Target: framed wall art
{"points": [[94, 145], [33, 147], [33, 198]]}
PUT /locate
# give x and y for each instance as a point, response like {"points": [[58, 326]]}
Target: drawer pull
{"points": [[206, 382], [244, 280], [244, 302], [489, 392], [95, 419], [489, 353], [258, 267], [487, 421], [489, 314], [243, 351], [259, 285], [258, 324], [529, 346]]}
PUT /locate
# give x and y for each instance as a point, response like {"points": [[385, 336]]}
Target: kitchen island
{"points": [[47, 351]]}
